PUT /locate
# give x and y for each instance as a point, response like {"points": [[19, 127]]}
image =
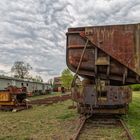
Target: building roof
{"points": [[17, 79], [57, 81]]}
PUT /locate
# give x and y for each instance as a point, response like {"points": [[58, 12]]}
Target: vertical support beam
{"points": [[125, 75], [96, 56], [137, 49], [108, 70]]}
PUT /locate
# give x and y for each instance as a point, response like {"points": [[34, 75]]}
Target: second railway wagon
{"points": [[108, 59]]}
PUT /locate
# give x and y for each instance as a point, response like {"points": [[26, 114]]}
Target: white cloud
{"points": [[34, 30]]}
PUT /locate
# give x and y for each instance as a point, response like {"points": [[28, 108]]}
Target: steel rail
{"points": [[75, 136], [129, 135], [83, 119]]}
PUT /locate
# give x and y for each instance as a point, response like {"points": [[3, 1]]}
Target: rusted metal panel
{"points": [[122, 42], [113, 51], [114, 99], [118, 41], [137, 45], [89, 95], [117, 111], [114, 96]]}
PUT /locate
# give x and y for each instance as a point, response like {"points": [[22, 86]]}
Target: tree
{"points": [[38, 78], [21, 69], [66, 78]]}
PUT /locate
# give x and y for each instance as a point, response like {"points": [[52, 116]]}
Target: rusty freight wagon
{"points": [[108, 59]]}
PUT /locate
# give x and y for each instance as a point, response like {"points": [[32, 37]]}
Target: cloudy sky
{"points": [[34, 30]]}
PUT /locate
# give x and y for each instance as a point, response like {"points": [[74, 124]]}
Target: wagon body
{"points": [[112, 52]]}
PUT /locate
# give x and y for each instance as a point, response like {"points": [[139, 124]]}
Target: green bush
{"points": [[135, 87]]}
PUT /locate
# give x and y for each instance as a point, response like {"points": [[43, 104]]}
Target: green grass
{"points": [[133, 117], [38, 123], [107, 132], [54, 122]]}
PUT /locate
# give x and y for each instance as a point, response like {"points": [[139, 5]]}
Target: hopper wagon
{"points": [[108, 60]]}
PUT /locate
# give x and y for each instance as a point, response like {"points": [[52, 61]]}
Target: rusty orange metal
{"points": [[5, 96], [122, 42], [108, 59], [115, 45], [13, 97]]}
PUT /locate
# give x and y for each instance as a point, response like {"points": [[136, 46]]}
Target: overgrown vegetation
{"points": [[135, 87], [66, 78], [133, 117]]}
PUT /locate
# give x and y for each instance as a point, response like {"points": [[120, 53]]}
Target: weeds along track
{"points": [[101, 128], [50, 100]]}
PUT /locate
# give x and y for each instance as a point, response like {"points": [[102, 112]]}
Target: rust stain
{"points": [[118, 44], [118, 41]]}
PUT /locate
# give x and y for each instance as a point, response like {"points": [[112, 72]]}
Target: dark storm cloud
{"points": [[34, 30]]}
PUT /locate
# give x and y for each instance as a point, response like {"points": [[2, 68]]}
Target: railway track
{"points": [[50, 100], [101, 128]]}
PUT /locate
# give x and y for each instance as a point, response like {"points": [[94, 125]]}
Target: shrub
{"points": [[135, 87]]}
